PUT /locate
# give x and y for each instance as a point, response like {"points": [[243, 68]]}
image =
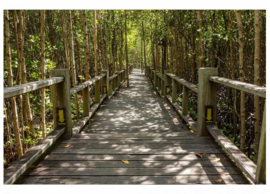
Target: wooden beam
{"points": [[86, 84], [31, 86], [237, 156], [189, 85], [249, 88], [12, 173]]}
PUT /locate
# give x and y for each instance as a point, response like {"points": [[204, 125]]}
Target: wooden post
{"points": [[207, 96], [185, 100], [174, 90], [110, 87], [261, 162], [86, 101], [61, 100], [106, 82], [97, 91], [165, 84], [155, 80]]}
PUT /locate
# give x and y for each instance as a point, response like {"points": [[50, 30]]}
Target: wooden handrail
{"points": [[86, 84], [189, 85], [246, 87], [31, 86]]}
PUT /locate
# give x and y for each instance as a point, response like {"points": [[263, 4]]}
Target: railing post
{"points": [[106, 82], [164, 83], [261, 162], [155, 79], [97, 91], [61, 102], [174, 90], [185, 100], [207, 95], [86, 101]]}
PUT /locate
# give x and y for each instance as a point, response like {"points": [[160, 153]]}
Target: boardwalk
{"points": [[138, 126]]}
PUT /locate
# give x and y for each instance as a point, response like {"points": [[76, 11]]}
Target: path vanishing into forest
{"points": [[135, 137]]}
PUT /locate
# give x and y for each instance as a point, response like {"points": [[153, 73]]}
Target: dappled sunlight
{"points": [[139, 127]]}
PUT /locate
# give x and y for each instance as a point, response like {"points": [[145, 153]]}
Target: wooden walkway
{"points": [[139, 126]]}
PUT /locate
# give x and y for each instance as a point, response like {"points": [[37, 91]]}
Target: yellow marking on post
{"points": [[61, 116], [209, 115]]}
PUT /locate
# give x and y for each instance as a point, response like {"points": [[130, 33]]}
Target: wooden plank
{"points": [[138, 135], [138, 146], [140, 151], [31, 86], [132, 164], [86, 84], [191, 170], [78, 126], [144, 180], [238, 157], [134, 157], [189, 85], [12, 173], [242, 86], [141, 141]]}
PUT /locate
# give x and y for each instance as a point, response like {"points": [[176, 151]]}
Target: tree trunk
{"points": [[72, 60], [200, 55], [232, 67], [127, 69], [10, 84], [65, 37], [86, 47], [29, 119], [42, 35], [257, 81], [242, 78], [95, 41]]}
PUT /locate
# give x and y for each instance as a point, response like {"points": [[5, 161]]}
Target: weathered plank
{"points": [[140, 151], [242, 86], [12, 173], [144, 180], [190, 170], [31, 86], [132, 164], [86, 84], [189, 85], [139, 146], [239, 158], [138, 157]]}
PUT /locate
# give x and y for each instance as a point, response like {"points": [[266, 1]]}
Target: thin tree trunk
{"points": [[127, 69], [29, 119], [105, 43], [95, 42], [232, 67], [65, 37], [86, 47], [242, 78], [15, 21], [200, 56], [257, 81], [71, 51], [144, 47], [42, 36], [10, 84]]}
